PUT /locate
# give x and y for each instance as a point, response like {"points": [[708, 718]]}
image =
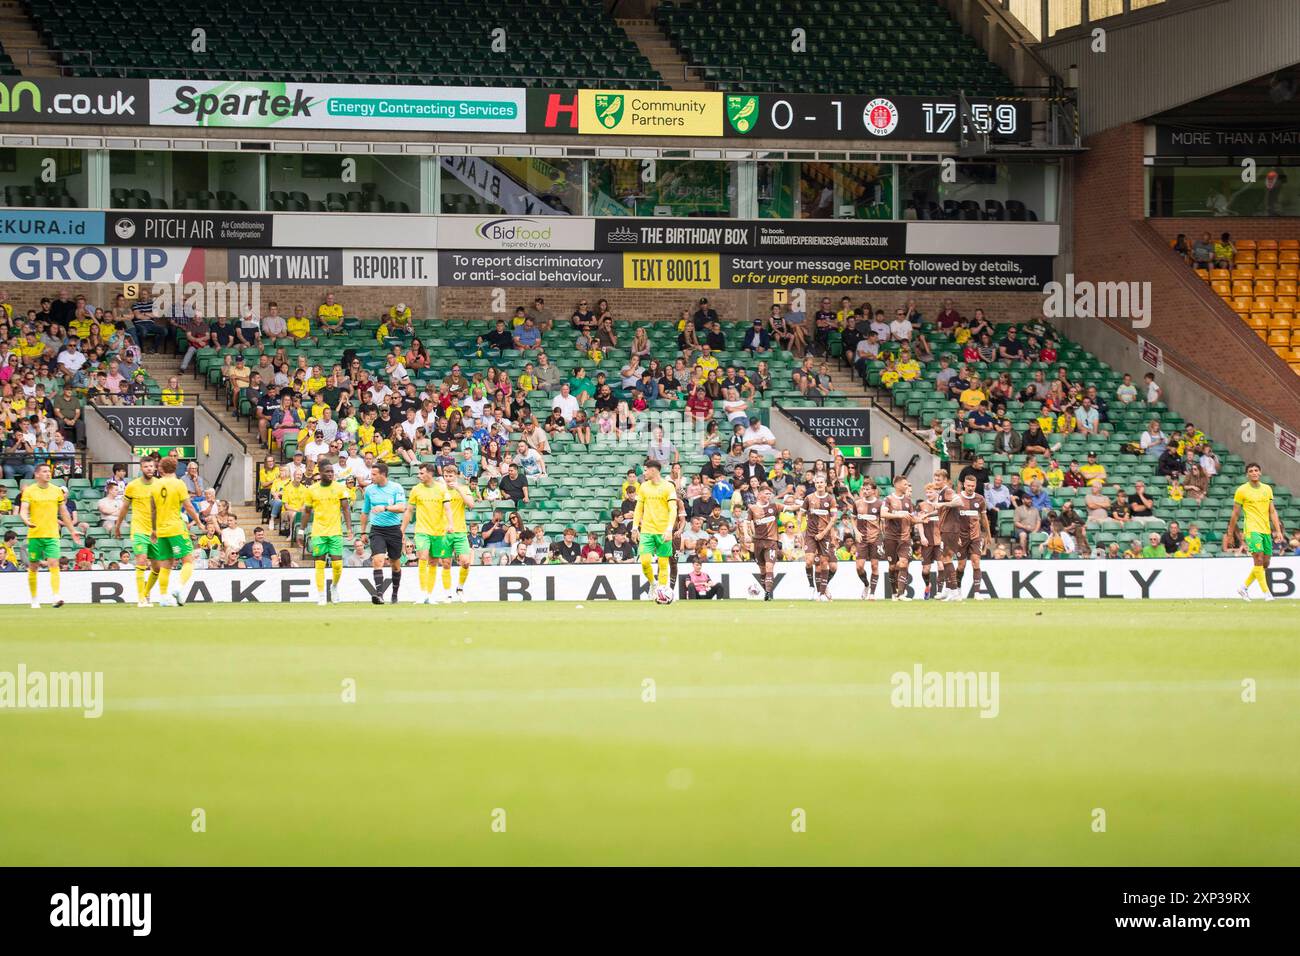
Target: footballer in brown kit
{"points": [[866, 529], [764, 515], [898, 513]]}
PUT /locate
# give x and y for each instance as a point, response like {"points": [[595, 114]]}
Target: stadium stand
{"points": [[1009, 391], [7, 67], [579, 483], [551, 43], [875, 45], [1258, 280]]}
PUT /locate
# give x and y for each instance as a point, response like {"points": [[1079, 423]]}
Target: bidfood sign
{"points": [[517, 232]]}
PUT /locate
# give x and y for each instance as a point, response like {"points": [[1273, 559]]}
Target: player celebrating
{"points": [[44, 508], [459, 498], [927, 523], [1255, 500], [386, 500], [866, 531], [138, 494], [764, 515], [431, 503], [325, 509], [169, 537], [818, 543], [973, 536], [897, 511], [652, 525], [945, 497]]}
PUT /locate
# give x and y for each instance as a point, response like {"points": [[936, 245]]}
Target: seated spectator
{"points": [[1153, 441], [1225, 253], [757, 339], [329, 316], [1203, 252], [700, 586]]}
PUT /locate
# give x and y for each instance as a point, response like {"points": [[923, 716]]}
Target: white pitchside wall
{"points": [[1169, 579]]}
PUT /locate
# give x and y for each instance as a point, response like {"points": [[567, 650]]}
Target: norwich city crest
{"points": [[609, 109], [740, 112]]}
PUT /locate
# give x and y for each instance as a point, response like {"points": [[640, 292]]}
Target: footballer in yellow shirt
{"points": [[325, 504], [170, 537], [458, 499], [653, 521], [138, 497], [430, 500], [44, 508], [1254, 499]]}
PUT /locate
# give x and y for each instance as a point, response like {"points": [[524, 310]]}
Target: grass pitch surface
{"points": [[758, 711]]}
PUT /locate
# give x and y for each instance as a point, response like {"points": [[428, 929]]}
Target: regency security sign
{"points": [[190, 229], [152, 426], [257, 105]]}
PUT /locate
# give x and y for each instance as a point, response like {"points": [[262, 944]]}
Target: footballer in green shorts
{"points": [[168, 548], [1259, 543], [43, 549], [457, 544], [330, 545], [140, 545], [657, 545], [433, 544]]}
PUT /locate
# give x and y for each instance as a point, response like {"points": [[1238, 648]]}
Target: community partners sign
{"points": [[649, 113], [1155, 579], [259, 105]]}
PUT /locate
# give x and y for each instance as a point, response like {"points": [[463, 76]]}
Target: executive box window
{"points": [[343, 183], [147, 179], [661, 187], [825, 190], [1203, 189], [511, 185], [1014, 192], [44, 177]]}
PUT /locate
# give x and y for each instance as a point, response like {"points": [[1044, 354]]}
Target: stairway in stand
{"points": [[665, 59]]}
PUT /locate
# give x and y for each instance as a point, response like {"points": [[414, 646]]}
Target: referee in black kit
{"points": [[382, 508]]}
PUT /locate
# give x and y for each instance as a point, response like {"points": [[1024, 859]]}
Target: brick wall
{"points": [[1204, 337], [1241, 228]]}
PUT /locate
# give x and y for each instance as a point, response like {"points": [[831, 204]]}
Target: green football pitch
{"points": [[725, 733]]}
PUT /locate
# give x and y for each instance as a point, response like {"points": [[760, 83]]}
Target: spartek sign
{"points": [[190, 229], [254, 105], [59, 227], [57, 100]]}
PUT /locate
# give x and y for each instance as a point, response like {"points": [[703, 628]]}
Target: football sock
{"points": [[164, 579], [862, 576], [811, 571], [464, 576], [54, 581], [153, 579], [32, 583], [142, 584], [397, 582], [875, 579], [320, 576], [338, 572], [187, 569], [424, 576], [446, 577], [379, 581], [663, 572], [647, 567]]}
